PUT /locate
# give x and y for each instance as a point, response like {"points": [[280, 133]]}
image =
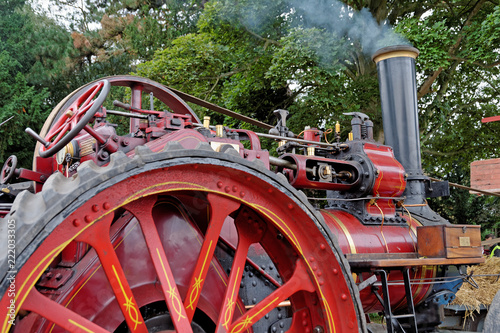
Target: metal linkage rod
{"points": [[127, 114], [468, 188], [219, 109], [270, 136], [277, 137]]}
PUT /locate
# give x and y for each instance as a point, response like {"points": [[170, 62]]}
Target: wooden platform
{"points": [[399, 260]]}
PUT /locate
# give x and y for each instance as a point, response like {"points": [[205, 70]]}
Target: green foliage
{"points": [[461, 207], [433, 38], [33, 49], [484, 38], [254, 56], [25, 104], [103, 29]]}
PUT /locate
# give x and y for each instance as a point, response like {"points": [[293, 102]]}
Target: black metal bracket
{"points": [[392, 321], [436, 189]]}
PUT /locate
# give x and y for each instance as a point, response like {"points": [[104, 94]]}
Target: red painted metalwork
{"points": [[390, 181], [217, 217], [253, 138], [149, 236], [490, 119], [138, 86], [312, 134], [356, 238], [270, 211]]}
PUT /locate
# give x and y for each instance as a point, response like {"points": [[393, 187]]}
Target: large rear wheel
{"points": [[152, 229]]}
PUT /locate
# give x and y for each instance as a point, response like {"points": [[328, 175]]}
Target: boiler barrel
{"points": [[356, 238]]}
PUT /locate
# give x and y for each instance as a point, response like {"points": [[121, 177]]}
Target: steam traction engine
{"points": [[188, 227]]}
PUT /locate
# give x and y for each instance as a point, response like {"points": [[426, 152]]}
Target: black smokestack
{"points": [[398, 94]]}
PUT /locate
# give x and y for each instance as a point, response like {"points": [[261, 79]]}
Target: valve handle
{"points": [[37, 137], [8, 169], [359, 115], [280, 128], [281, 114], [122, 105]]}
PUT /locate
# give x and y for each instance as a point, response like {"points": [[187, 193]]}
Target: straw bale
{"points": [[471, 297]]}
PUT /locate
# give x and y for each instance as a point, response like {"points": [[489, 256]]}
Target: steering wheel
{"points": [[8, 169], [75, 118], [136, 86]]}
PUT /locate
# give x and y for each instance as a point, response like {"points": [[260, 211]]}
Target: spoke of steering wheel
{"points": [[81, 111], [56, 128], [94, 91], [220, 208], [98, 237], [142, 210], [58, 314], [61, 132], [60, 128]]}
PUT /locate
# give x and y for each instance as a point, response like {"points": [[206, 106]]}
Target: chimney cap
{"points": [[394, 52]]}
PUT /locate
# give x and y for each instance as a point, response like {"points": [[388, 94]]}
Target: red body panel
{"points": [[354, 237], [390, 181]]}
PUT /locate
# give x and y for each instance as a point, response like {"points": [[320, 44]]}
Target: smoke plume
{"points": [[344, 22], [340, 23]]}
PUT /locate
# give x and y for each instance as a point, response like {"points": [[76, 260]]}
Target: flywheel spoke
{"points": [[220, 208], [98, 238], [142, 210], [299, 281], [58, 314], [250, 230]]}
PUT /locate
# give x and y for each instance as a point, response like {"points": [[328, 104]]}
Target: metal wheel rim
{"points": [[343, 298]]}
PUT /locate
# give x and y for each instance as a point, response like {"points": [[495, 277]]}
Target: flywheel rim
{"points": [[146, 161]]}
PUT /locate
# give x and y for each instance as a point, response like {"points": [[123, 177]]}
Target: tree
{"points": [[32, 51], [459, 84], [313, 58], [124, 32]]}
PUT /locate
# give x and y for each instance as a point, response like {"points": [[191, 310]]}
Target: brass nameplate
{"points": [[464, 241]]}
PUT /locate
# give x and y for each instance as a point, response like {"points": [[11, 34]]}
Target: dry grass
{"points": [[471, 297]]}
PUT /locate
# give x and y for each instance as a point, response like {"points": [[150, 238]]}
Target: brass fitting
{"points": [[219, 131], [206, 122], [311, 151]]}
